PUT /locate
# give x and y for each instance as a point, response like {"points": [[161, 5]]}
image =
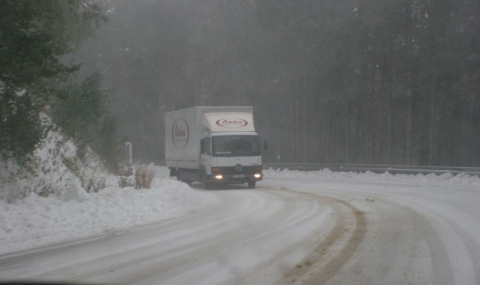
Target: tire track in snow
{"points": [[338, 246], [417, 240]]}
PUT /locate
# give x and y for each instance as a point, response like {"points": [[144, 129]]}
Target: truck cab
{"points": [[231, 157]]}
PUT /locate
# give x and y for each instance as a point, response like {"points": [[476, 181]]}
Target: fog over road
{"points": [[287, 231]]}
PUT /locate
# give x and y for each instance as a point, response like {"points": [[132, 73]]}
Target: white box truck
{"points": [[213, 145]]}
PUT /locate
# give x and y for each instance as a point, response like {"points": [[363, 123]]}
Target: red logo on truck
{"points": [[180, 134], [232, 123]]}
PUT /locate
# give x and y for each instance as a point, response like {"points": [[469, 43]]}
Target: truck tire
{"points": [[178, 173], [181, 179], [206, 185], [251, 184]]}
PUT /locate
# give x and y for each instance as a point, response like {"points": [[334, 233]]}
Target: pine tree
{"points": [[33, 37]]}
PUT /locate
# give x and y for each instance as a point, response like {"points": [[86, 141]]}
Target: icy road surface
{"points": [[287, 231]]}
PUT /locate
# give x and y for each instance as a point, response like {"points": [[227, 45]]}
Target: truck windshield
{"points": [[236, 146]]}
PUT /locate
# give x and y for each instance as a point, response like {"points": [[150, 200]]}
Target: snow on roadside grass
{"points": [[447, 178], [36, 221]]}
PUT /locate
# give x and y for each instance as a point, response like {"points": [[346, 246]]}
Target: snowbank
{"points": [[36, 221], [447, 178], [60, 196], [53, 167]]}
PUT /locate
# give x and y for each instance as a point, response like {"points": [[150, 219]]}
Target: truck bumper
{"points": [[234, 178]]}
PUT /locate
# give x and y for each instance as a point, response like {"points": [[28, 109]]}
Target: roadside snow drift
{"points": [[326, 174], [36, 221]]}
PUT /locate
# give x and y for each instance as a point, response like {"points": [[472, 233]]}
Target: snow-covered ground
{"points": [[295, 228], [36, 221]]}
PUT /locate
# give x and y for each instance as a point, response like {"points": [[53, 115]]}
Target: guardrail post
{"points": [[128, 158]]}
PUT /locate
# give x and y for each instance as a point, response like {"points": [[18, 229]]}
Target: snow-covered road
{"points": [[287, 231]]}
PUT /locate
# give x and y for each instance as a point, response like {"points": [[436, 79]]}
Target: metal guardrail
{"points": [[376, 168]]}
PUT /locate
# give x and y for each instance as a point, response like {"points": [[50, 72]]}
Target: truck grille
{"points": [[232, 170]]}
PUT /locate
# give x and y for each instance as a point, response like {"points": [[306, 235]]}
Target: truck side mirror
{"points": [[202, 146], [265, 146]]}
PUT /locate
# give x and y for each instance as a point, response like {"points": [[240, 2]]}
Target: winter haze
{"points": [[393, 82]]}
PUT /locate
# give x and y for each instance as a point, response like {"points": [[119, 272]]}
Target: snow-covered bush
{"points": [[52, 168], [144, 175]]}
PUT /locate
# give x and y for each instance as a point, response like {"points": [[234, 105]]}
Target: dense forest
{"points": [[391, 82], [40, 93]]}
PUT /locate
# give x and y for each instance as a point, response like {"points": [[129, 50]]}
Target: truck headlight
{"points": [[219, 176], [257, 175]]}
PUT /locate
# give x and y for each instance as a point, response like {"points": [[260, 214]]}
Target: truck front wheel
{"points": [[206, 185], [251, 184]]}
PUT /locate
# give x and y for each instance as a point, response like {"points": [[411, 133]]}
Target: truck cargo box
{"points": [[184, 129]]}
